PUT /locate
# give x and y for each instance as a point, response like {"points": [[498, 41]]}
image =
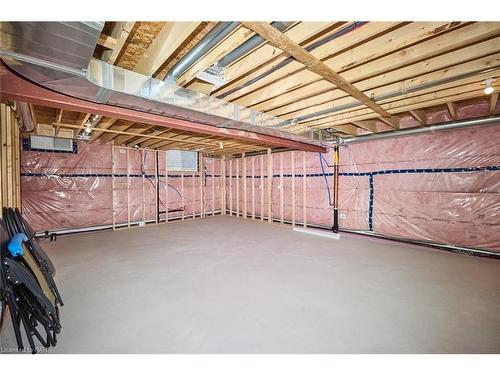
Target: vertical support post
{"points": [[253, 188], [237, 161], [304, 188], [157, 191], [213, 187], [269, 186], [293, 189], [182, 196], [128, 187], [261, 187], [144, 191], [3, 156], [17, 162], [193, 205], [166, 186], [202, 185], [223, 186], [282, 202], [113, 186], [230, 187], [9, 159], [336, 156], [244, 161], [10, 172]]}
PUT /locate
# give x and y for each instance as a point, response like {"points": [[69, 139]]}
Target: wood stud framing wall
{"points": [[232, 187], [193, 192], [10, 192]]}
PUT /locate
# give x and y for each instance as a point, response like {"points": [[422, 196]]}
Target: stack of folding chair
{"points": [[28, 290]]}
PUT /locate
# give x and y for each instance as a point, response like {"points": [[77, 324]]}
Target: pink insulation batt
{"points": [[62, 190], [459, 208]]}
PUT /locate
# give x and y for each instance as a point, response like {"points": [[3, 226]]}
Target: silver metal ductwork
{"points": [[57, 55], [69, 44], [213, 37], [249, 45]]}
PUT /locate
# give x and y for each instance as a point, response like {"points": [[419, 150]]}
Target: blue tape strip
{"points": [[357, 174], [370, 175], [422, 170]]}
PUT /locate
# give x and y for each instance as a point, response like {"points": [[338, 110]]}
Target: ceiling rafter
{"points": [[409, 102], [357, 115], [103, 124], [137, 129], [493, 102], [452, 109], [126, 30], [436, 55], [171, 36], [281, 41], [420, 115]]}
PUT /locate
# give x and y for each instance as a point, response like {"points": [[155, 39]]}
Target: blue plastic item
{"points": [[15, 245]]}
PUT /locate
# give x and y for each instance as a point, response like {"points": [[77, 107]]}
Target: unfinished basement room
{"points": [[250, 187]]}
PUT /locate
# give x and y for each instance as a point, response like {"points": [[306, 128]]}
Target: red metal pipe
{"points": [[14, 87]]}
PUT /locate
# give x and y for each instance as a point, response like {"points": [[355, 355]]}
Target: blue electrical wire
{"points": [[180, 195], [326, 179], [326, 161]]}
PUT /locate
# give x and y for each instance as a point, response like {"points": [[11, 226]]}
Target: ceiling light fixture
{"points": [[488, 89]]}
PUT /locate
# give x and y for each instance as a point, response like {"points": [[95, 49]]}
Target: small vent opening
{"points": [[51, 144]]}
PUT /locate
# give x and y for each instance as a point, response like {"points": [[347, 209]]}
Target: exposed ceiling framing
{"points": [[351, 78], [130, 133]]}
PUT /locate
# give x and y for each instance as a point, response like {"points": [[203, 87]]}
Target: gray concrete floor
{"points": [[227, 285]]}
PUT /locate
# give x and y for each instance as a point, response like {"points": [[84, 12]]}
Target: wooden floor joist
{"points": [[281, 41]]}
